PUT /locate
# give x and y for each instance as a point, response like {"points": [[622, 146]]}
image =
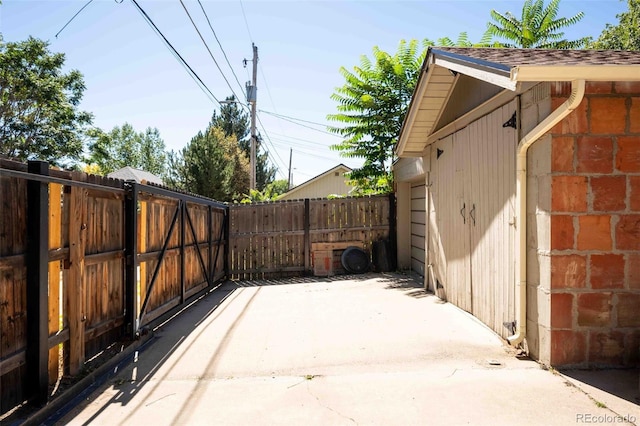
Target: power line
{"points": [[269, 139], [220, 44], [245, 22], [301, 140], [268, 91], [291, 120], [208, 50], [73, 17], [175, 53], [275, 114]]}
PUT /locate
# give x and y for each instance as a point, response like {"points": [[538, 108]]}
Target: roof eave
{"points": [[540, 73]]}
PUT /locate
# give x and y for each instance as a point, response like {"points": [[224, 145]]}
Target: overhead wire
{"points": [[246, 23], [269, 139], [74, 17], [175, 53], [275, 114], [207, 47], [220, 44], [292, 120]]}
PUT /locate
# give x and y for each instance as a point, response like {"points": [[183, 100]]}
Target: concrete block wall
{"points": [[595, 228]]}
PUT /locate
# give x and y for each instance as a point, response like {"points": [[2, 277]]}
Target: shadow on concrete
{"points": [[621, 383], [173, 332], [408, 284], [158, 350]]}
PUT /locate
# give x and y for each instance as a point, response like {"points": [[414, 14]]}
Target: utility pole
{"points": [[252, 96]]}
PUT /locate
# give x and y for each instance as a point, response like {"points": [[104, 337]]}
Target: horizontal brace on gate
{"points": [[62, 181], [153, 255], [17, 359], [265, 270], [264, 233], [162, 192], [18, 260], [359, 228]]}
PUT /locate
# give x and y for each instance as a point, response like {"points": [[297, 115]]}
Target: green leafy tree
{"points": [[371, 107], [123, 146], [40, 116], [233, 121], [626, 34], [212, 165], [537, 27], [271, 192]]}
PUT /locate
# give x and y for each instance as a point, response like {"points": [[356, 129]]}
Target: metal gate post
{"points": [[131, 249], [37, 351], [183, 206]]}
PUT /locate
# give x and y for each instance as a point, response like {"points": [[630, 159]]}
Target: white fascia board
{"points": [[410, 119], [490, 77], [541, 73]]}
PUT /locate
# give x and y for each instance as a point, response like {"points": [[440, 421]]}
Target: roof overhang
{"points": [[439, 74]]}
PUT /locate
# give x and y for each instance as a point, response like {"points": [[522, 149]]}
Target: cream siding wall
{"points": [[418, 227], [321, 187]]}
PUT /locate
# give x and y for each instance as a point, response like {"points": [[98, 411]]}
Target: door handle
{"points": [[462, 213], [472, 214]]}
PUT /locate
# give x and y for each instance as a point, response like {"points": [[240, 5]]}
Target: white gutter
{"points": [[577, 93]]}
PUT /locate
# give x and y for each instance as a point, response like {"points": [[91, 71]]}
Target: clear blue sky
{"points": [[132, 77]]}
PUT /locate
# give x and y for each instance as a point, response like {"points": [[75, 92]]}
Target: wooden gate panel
{"points": [[491, 185]]}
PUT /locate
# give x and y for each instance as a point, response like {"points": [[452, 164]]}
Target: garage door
{"points": [[472, 199], [418, 226]]}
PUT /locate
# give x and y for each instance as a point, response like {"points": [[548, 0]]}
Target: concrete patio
{"points": [[369, 349]]}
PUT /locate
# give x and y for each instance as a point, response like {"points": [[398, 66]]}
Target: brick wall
{"points": [[595, 227]]}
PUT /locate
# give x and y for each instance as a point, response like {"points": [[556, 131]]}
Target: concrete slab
{"points": [[372, 349]]}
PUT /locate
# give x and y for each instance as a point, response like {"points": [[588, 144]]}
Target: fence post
{"points": [[307, 238], [210, 272], [183, 206], [226, 223], [131, 250], [75, 284], [37, 351]]}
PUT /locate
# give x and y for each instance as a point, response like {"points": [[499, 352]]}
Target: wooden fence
{"points": [[86, 261], [270, 240]]}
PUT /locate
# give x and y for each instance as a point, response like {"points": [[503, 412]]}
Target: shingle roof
{"points": [[519, 57]]}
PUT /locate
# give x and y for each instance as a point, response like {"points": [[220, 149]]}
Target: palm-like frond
{"points": [[536, 28]]}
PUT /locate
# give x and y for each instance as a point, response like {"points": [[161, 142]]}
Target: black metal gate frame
{"points": [[37, 258], [134, 324]]}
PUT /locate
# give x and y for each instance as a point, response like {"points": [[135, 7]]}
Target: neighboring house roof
{"points": [[293, 193], [140, 176], [507, 69]]}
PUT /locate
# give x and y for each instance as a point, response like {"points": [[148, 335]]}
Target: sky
{"points": [[131, 76]]}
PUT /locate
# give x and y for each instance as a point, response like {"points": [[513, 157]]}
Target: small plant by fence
{"points": [[86, 261]]}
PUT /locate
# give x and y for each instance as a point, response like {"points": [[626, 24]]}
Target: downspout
{"points": [[577, 94]]}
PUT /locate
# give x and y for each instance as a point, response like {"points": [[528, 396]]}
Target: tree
{"points": [[39, 104], [212, 165], [123, 146], [233, 121], [537, 27], [271, 192], [371, 108], [625, 35]]}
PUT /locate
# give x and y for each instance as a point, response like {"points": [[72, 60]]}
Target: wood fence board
{"points": [[267, 240]]}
